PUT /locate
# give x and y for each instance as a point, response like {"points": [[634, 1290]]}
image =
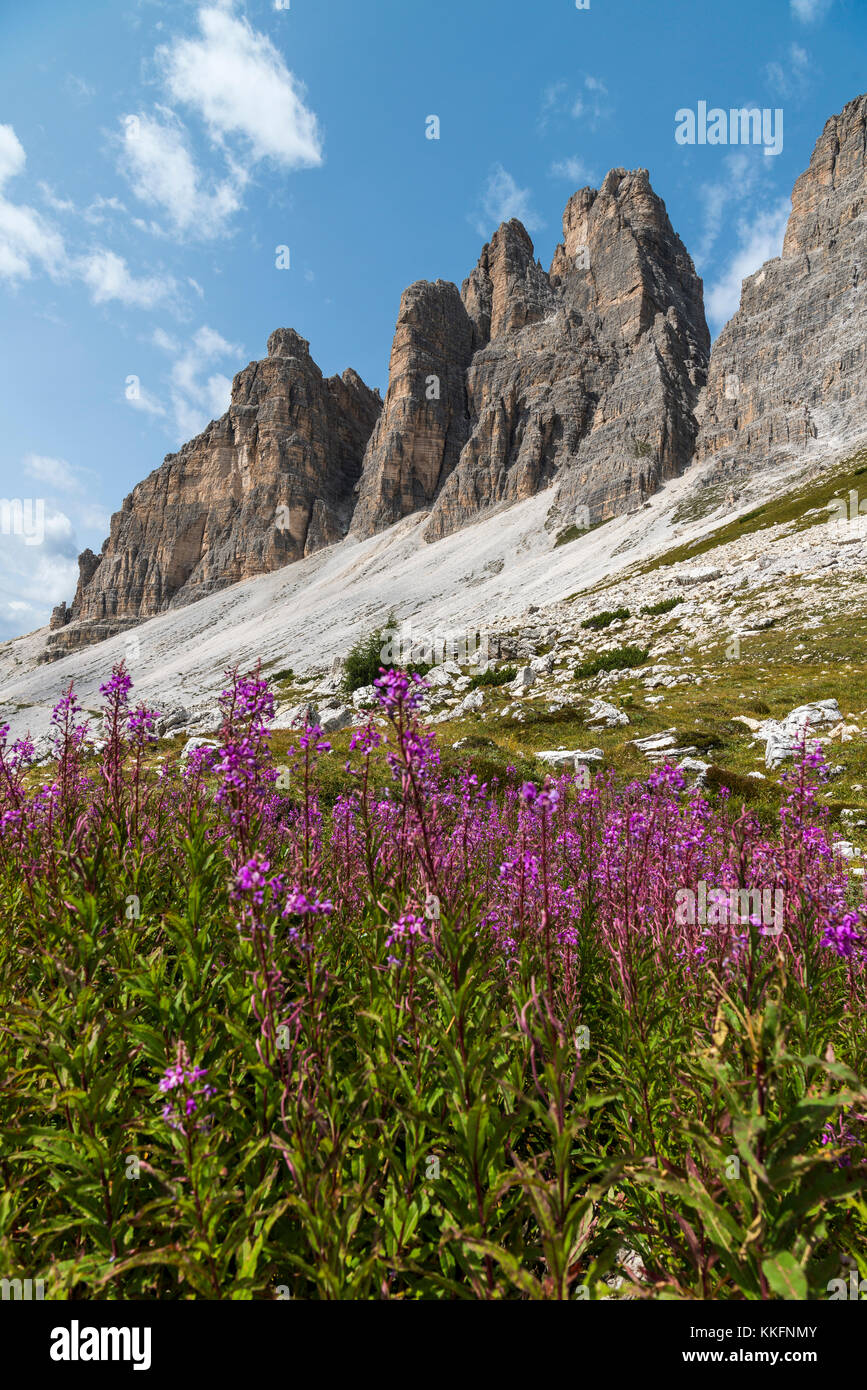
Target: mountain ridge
{"points": [[592, 381]]}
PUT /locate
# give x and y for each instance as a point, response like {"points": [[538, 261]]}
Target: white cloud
{"points": [[502, 199], [79, 88], [810, 11], [737, 184], [552, 101], [141, 399], [793, 77], [56, 204], [27, 240], [95, 518], [12, 156], [95, 212], [760, 240], [108, 277], [575, 170], [33, 578], [588, 104], [25, 237], [198, 393], [164, 341], [162, 172], [238, 82], [57, 473]]}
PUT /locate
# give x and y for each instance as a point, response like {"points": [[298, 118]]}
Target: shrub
{"points": [[492, 677], [757, 707], [603, 620], [364, 662], [703, 740], [655, 610], [619, 659], [740, 787], [571, 533]]}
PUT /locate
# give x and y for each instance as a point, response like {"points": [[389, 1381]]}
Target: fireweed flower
{"points": [[546, 800], [406, 928], [310, 740], [251, 880], [847, 938], [418, 752], [300, 904], [182, 1083], [366, 739], [119, 686], [141, 726], [399, 690], [842, 1136]]}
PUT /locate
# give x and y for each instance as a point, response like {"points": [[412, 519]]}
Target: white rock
{"points": [[543, 665], [470, 703], [364, 697], [846, 849], [751, 724], [608, 716], [697, 576], [525, 678], [820, 712], [560, 757], [336, 717], [784, 740], [443, 675], [295, 716], [193, 744], [171, 720], [696, 769], [656, 743]]}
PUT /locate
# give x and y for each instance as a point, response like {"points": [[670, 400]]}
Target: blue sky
{"points": [[154, 156]]}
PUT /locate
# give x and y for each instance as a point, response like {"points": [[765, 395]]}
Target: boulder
{"points": [[524, 680], [295, 716], [470, 704], [365, 697], [336, 717], [562, 758], [603, 715], [192, 745]]}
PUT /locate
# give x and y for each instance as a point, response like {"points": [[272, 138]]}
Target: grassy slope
{"points": [[771, 677]]}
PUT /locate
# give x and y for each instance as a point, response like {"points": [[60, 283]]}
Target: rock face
{"points": [[791, 365], [270, 482], [425, 422], [587, 375], [591, 379]]}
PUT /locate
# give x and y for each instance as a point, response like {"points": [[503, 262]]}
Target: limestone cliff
{"points": [[271, 481], [791, 365]]}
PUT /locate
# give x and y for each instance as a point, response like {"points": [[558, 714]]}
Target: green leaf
{"points": [[785, 1276]]}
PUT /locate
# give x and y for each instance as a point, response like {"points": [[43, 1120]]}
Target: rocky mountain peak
{"points": [[593, 380], [285, 342], [508, 288], [269, 482], [830, 193], [790, 366], [424, 423]]}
